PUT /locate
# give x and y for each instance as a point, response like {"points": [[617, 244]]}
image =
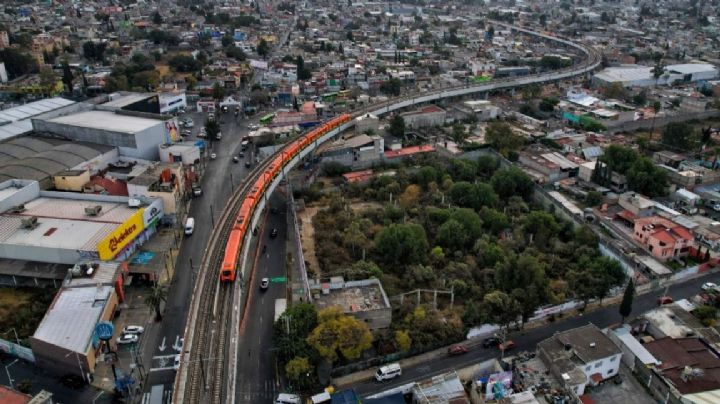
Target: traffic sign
{"points": [[104, 330], [279, 279]]}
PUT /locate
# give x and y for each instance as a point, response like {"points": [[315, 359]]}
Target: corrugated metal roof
{"points": [[71, 320], [33, 109]]}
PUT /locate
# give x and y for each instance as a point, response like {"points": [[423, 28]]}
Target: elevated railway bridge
{"points": [[207, 372]]}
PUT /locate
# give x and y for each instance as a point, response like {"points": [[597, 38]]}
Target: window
{"points": [[589, 368], [597, 365], [609, 372], [613, 359]]}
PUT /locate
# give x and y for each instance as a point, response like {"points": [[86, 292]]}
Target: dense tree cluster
{"points": [[469, 226], [642, 175], [139, 74]]}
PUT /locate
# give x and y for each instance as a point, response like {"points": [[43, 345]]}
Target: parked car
{"points": [[241, 154], [248, 164], [253, 126], [127, 339], [179, 345], [273, 233], [457, 350], [264, 283], [663, 300], [708, 286], [213, 156], [176, 362], [197, 191], [491, 342], [133, 329], [236, 159], [506, 346]]}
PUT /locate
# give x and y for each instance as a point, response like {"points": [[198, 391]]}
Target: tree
{"points": [[706, 314], [627, 300], [48, 79], [487, 165], [391, 87], [17, 63], [397, 126], [263, 48], [297, 370], [156, 297], [218, 92], [184, 63], [226, 40], [191, 82], [410, 197], [403, 340], [499, 308], [94, 51], [616, 90], [354, 237], [212, 128], [234, 52], [291, 331], [647, 178], [679, 135], [339, 332], [451, 235], [303, 73], [541, 226], [494, 221], [157, 18], [524, 278], [501, 137], [548, 104], [509, 182], [402, 244]]}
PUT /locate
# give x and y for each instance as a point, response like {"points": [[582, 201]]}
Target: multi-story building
{"points": [[424, 117], [580, 357], [663, 238]]}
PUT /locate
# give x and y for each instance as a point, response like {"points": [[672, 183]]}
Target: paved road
{"points": [[527, 341], [256, 376], [216, 184]]}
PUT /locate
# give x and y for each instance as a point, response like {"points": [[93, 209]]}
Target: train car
{"points": [[232, 249]]}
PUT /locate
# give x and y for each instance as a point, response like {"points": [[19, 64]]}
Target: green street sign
{"points": [[279, 279]]}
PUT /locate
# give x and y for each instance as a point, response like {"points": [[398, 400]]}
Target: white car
{"points": [[127, 339], [213, 156], [708, 286], [253, 126], [189, 123], [179, 346], [176, 362], [133, 329]]}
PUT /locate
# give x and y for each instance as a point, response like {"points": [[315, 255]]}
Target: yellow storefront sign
{"points": [[111, 245]]}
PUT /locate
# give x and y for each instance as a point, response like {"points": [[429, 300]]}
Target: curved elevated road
{"points": [[208, 365]]}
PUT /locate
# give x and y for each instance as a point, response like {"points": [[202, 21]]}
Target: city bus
{"points": [[267, 118]]}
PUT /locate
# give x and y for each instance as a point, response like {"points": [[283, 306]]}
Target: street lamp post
{"points": [[7, 370]]}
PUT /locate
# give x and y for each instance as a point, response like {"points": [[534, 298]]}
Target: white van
{"points": [[284, 398], [388, 372], [189, 226]]}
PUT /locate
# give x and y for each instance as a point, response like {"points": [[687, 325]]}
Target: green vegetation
{"points": [[501, 137], [22, 309], [139, 74], [642, 175], [469, 226]]}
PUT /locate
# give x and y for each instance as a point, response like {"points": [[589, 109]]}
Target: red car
{"points": [[662, 300], [508, 345], [457, 350]]}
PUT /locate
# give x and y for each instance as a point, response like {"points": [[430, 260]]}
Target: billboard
{"points": [[153, 213], [172, 133], [111, 245]]}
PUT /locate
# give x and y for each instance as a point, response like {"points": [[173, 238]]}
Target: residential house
{"points": [[663, 238], [580, 357]]}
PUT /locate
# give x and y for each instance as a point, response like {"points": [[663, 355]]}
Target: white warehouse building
{"points": [[642, 76]]}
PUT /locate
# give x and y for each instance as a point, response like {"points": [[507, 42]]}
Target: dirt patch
{"points": [[22, 309], [307, 237], [307, 230]]}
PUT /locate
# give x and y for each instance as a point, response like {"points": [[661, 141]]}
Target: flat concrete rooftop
{"points": [[109, 121], [354, 296]]}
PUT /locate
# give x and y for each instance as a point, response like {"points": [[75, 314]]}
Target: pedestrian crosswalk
{"points": [[162, 362], [253, 393]]}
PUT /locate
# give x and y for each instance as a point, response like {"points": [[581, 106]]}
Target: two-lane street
{"points": [[256, 376], [527, 340]]}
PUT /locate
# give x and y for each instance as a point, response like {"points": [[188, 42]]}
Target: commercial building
{"points": [[42, 158], [642, 76], [364, 299], [424, 117], [67, 228], [172, 101], [16, 121], [580, 357], [359, 151], [65, 342], [483, 110], [169, 182], [134, 136]]}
